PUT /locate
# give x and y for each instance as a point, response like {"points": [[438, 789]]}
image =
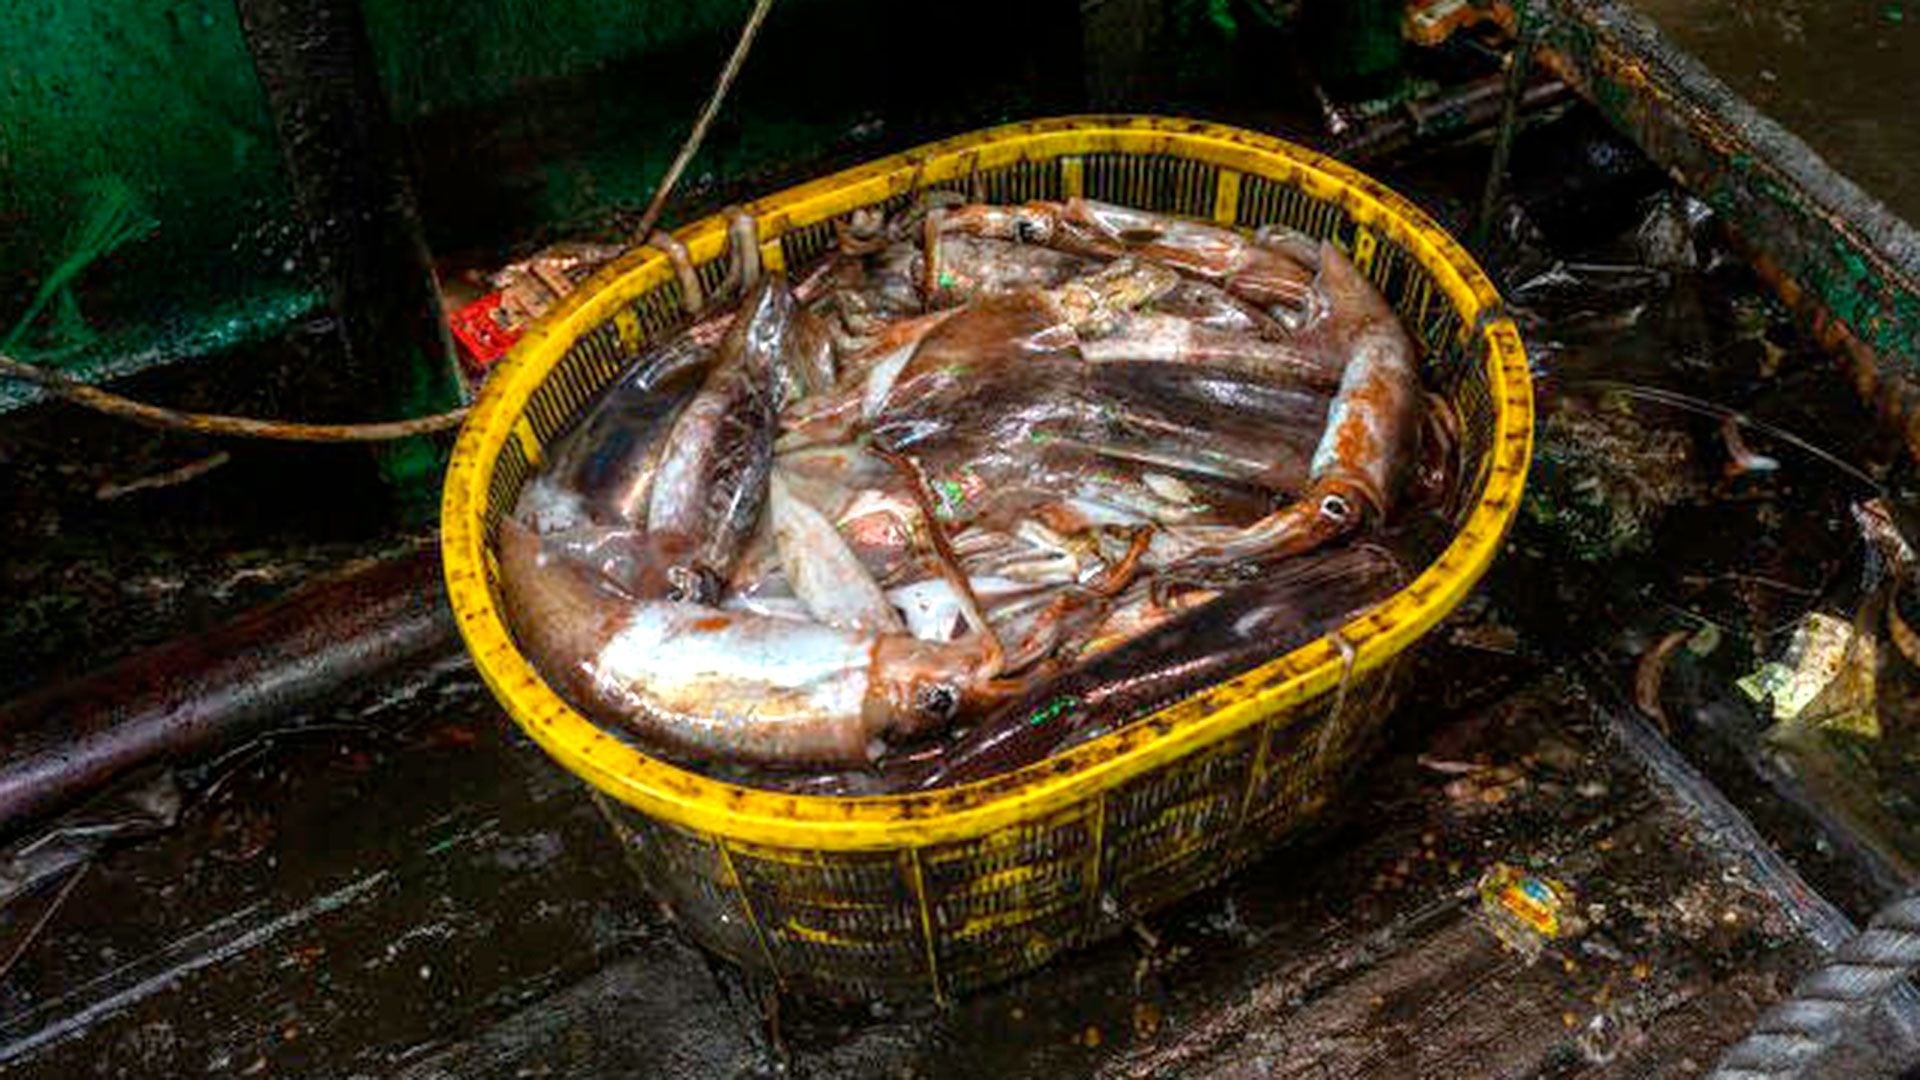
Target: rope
{"points": [[111, 404], [699, 133], [1790, 1036], [156, 416]]}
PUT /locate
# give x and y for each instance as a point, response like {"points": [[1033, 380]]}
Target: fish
{"points": [[735, 685]]}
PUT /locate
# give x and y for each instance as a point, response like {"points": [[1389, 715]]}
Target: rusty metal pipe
{"points": [[187, 697]]}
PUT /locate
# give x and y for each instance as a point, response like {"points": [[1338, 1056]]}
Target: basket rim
{"points": [[771, 820]]}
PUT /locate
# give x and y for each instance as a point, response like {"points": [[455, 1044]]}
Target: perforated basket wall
{"points": [[939, 893]]}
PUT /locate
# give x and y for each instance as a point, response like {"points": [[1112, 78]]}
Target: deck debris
{"points": [[1526, 910], [1825, 680], [1648, 674], [1479, 786], [147, 804]]}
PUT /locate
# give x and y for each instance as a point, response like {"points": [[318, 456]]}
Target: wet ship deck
{"points": [[405, 886], [410, 888]]}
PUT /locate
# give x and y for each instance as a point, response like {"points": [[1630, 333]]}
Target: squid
{"points": [[1368, 446], [1264, 273], [711, 480], [731, 684]]}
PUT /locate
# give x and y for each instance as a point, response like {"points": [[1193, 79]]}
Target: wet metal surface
{"points": [[89, 579], [1848, 266], [342, 153]]}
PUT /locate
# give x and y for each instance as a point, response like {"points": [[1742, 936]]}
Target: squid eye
{"points": [[937, 701], [1336, 509], [692, 585]]}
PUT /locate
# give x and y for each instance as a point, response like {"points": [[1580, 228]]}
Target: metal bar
{"points": [[316, 65], [1519, 66], [1848, 266], [1451, 116]]}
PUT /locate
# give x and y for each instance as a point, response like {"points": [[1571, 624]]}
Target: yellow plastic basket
{"points": [[935, 894]]}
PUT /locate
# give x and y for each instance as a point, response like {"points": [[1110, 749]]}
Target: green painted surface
{"points": [[157, 95], [132, 346], [160, 95], [1780, 199], [1362, 47], [1836, 75], [523, 119], [440, 55]]}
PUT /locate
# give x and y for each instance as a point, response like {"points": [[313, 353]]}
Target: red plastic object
{"points": [[484, 332]]}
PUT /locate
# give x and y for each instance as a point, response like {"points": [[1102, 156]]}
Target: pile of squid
{"points": [[985, 483]]}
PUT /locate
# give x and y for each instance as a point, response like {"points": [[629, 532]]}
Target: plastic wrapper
{"points": [[141, 806]]}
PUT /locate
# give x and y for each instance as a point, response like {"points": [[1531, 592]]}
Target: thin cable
{"points": [[46, 916], [699, 133], [1703, 407]]}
